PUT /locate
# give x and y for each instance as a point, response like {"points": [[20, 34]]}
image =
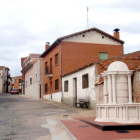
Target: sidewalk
{"points": [[83, 131], [79, 130]]}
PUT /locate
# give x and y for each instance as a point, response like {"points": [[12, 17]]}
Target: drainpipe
{"points": [[60, 70], [123, 48]]}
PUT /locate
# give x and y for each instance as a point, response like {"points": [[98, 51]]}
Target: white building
{"points": [[80, 84], [4, 78], [33, 76]]}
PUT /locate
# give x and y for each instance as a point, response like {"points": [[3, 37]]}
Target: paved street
{"points": [[24, 118]]}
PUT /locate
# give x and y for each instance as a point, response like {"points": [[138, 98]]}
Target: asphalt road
{"points": [[26, 119]]}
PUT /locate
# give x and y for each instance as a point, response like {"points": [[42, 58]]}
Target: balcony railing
{"points": [[47, 73]]}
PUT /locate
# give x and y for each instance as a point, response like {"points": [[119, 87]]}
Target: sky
{"points": [[25, 25]]}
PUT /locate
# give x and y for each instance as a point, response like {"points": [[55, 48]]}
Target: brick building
{"points": [[73, 51], [89, 83]]}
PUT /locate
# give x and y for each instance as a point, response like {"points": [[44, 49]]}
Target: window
{"points": [[66, 86], [46, 68], [15, 80], [85, 81], [30, 81], [56, 84], [51, 66], [56, 59], [103, 56], [46, 88], [25, 83]]}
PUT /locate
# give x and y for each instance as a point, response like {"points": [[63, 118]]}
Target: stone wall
{"points": [[136, 86]]}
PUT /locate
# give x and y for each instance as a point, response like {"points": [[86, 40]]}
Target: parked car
{"points": [[15, 91]]}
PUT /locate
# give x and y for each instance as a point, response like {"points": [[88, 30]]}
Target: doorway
{"points": [[74, 90], [40, 90]]}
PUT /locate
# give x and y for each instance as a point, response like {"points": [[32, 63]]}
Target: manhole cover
{"points": [[84, 126], [122, 131]]}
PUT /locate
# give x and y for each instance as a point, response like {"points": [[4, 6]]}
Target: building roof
{"points": [[28, 66], [58, 40], [22, 59]]}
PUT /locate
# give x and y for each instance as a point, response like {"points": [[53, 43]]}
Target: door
{"points": [[40, 90], [51, 89], [74, 90]]}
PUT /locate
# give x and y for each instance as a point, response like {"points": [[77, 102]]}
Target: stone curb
{"points": [[70, 134]]}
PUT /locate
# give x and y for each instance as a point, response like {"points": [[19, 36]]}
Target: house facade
{"points": [[4, 79], [33, 77], [87, 82], [72, 52], [16, 82]]}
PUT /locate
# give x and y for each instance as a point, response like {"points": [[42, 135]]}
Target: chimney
{"points": [[47, 45], [116, 33]]}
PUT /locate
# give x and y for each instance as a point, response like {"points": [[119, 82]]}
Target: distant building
{"points": [[16, 82], [33, 76], [5, 80], [72, 52]]}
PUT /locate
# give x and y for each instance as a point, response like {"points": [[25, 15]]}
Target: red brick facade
{"points": [[76, 55], [55, 70], [132, 60]]}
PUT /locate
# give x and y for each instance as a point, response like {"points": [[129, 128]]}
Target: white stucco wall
{"points": [[92, 37], [87, 93], [33, 90], [3, 79], [55, 97]]}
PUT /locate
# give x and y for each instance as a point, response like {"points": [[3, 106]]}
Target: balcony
{"points": [[47, 73]]}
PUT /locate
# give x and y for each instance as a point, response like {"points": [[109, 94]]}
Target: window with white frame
{"points": [[31, 81], [25, 83]]}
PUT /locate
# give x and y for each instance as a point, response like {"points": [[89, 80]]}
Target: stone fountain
{"points": [[118, 105]]}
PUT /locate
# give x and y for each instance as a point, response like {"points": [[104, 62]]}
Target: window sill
{"points": [[56, 90]]}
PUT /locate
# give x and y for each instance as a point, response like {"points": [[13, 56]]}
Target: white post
{"points": [[129, 88], [109, 90], [114, 88]]}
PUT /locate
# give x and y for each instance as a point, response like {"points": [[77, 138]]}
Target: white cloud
{"points": [[25, 25]]}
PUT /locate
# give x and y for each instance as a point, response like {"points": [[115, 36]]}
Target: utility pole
{"points": [[87, 19]]}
